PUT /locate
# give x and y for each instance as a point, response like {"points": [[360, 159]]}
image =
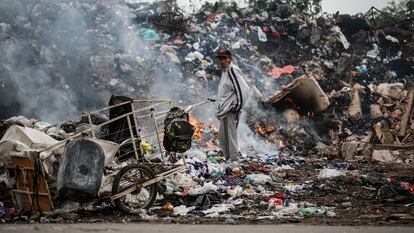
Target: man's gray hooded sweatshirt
{"points": [[232, 91], [232, 95]]}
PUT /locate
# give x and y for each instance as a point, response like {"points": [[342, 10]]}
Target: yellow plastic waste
{"points": [[145, 146], [168, 206]]}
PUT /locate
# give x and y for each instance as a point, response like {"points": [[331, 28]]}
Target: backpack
{"points": [[178, 131]]}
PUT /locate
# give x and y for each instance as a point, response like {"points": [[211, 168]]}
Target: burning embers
{"points": [[301, 99], [198, 125], [204, 134], [264, 130], [298, 102]]}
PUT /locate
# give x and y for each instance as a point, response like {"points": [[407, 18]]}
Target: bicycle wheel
{"points": [[129, 176]]}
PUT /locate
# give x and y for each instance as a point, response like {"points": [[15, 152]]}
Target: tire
{"points": [[142, 198]]}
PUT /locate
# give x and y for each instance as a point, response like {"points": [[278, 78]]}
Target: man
{"points": [[232, 95]]}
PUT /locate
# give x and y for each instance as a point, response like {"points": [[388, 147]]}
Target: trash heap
{"points": [[331, 96]]}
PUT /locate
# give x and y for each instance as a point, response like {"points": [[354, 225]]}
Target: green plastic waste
{"points": [[148, 34], [217, 175], [275, 178], [212, 159], [307, 211]]}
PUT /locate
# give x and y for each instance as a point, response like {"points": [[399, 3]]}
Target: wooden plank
{"points": [[408, 113], [401, 146], [44, 202], [355, 109], [24, 195], [22, 162]]}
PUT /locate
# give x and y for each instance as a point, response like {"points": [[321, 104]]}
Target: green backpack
{"points": [[178, 131]]}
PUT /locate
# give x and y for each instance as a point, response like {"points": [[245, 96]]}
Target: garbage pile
{"points": [[332, 99]]}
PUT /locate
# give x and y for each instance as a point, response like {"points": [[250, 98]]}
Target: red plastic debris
{"points": [[275, 195], [178, 42], [277, 72], [211, 17], [276, 34], [407, 186]]}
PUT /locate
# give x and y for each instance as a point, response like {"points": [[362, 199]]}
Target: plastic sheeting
{"points": [[17, 140], [26, 142]]}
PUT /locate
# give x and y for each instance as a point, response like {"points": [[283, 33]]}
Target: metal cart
{"points": [[131, 123]]}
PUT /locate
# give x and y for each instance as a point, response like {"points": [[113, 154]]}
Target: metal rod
{"points": [[135, 187], [129, 113], [184, 161], [100, 125], [161, 116], [106, 108], [181, 167], [90, 123], [135, 101], [132, 138], [158, 136], [157, 103], [190, 107], [159, 177], [153, 134], [152, 101], [137, 130]]}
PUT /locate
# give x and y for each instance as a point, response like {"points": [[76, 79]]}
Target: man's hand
{"points": [[233, 110]]}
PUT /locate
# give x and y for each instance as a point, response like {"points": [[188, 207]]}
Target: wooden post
{"points": [[408, 112], [355, 109]]}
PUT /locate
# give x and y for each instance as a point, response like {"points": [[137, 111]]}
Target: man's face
{"points": [[223, 61]]}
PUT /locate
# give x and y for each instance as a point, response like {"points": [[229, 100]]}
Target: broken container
{"points": [[81, 170]]}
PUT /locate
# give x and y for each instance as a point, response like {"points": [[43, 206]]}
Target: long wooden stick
{"points": [[407, 114], [401, 146]]}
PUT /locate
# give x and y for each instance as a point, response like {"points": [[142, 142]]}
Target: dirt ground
{"points": [[355, 201]]}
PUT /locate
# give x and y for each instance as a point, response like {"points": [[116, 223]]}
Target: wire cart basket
{"points": [[137, 126]]}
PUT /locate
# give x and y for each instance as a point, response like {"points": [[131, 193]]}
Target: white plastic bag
{"points": [[262, 36]]}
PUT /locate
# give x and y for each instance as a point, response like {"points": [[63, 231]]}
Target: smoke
{"points": [[41, 69], [250, 142], [64, 57], [59, 58], [51, 52]]}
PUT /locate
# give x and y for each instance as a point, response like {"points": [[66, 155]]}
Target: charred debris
{"points": [[333, 92]]}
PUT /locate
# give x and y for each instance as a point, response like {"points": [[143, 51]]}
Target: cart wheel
{"points": [[141, 198]]}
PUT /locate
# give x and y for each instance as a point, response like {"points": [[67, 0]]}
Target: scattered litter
{"points": [[328, 173]]}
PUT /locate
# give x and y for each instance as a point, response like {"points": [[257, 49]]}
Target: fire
{"points": [[291, 103], [198, 125], [204, 133], [264, 130], [259, 129]]}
